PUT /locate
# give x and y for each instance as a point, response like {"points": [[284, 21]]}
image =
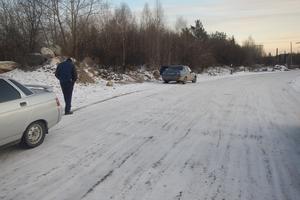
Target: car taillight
{"points": [[57, 102]]}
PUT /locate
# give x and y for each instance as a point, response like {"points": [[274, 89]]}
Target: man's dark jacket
{"points": [[66, 72]]}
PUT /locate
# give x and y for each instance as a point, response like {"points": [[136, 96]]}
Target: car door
{"points": [[13, 115], [189, 74], [184, 72]]}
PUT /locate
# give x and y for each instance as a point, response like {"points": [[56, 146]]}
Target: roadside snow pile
{"points": [[218, 71], [225, 71], [96, 85], [207, 77], [296, 84], [84, 94], [128, 77], [6, 66], [280, 68]]}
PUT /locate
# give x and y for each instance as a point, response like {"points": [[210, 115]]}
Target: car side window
{"points": [[25, 90], [8, 92], [185, 70]]}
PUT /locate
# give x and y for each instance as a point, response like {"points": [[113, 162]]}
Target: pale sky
{"points": [[272, 23]]}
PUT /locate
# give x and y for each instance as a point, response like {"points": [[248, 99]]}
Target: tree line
{"points": [[115, 36]]}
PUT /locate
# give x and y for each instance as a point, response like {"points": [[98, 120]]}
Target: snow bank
{"points": [[218, 71], [296, 84], [280, 68], [86, 94], [208, 77]]}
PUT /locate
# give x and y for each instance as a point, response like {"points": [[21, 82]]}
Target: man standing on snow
{"points": [[67, 75]]}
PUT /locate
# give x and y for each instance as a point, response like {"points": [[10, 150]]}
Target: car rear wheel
{"points": [[195, 79], [166, 81], [34, 135]]}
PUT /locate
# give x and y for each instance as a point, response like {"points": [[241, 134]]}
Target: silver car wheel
{"points": [[35, 134]]}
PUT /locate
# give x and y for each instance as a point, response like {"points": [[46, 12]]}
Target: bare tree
{"points": [[159, 28], [66, 15], [147, 34], [180, 24], [20, 25], [90, 28], [253, 52], [30, 14], [123, 17], [146, 19]]}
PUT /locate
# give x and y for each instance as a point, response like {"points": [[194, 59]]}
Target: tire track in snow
{"points": [[177, 142], [222, 157], [110, 173], [104, 100], [174, 117]]}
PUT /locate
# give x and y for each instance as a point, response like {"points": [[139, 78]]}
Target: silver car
{"points": [[26, 113], [178, 73]]}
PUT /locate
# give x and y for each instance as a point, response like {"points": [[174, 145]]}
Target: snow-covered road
{"points": [[232, 138]]}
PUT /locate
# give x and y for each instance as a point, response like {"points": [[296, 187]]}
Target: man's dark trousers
{"points": [[67, 89]]}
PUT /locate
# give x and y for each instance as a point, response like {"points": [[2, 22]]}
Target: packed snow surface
{"points": [[296, 84], [229, 138], [87, 94]]}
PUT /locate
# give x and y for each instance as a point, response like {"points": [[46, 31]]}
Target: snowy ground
{"points": [[231, 138], [296, 84], [85, 95]]}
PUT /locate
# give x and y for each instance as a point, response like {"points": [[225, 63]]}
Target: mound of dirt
{"points": [[48, 53], [6, 66], [86, 75]]}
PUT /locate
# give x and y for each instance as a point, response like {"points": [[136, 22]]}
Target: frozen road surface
{"points": [[228, 139]]}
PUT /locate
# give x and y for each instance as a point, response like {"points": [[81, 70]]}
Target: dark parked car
{"points": [[179, 73]]}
